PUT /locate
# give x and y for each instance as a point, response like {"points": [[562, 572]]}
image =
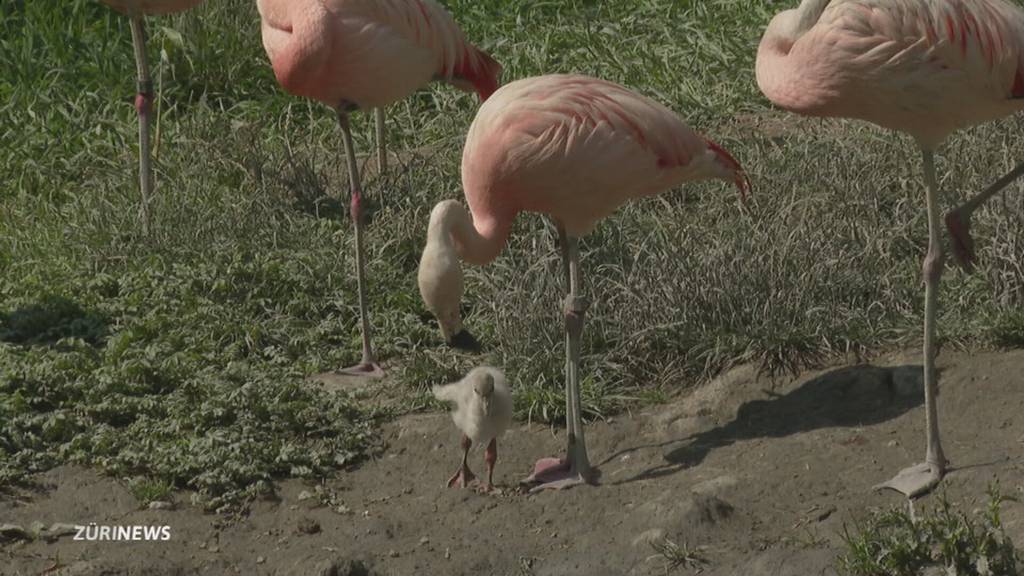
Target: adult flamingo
{"points": [[357, 54], [924, 67], [136, 10], [574, 148]]}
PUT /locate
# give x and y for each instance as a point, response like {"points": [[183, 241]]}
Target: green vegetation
{"points": [[893, 543], [181, 359]]}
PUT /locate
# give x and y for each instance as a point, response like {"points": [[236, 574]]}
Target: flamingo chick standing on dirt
{"points": [[574, 148], [924, 67], [483, 411], [136, 10], [353, 54]]}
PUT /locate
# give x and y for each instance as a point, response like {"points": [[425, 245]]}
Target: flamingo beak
{"points": [[739, 175]]}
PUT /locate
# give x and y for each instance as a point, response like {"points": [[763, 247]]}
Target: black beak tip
{"points": [[465, 341]]}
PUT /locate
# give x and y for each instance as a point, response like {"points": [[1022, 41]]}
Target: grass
{"points": [[893, 543], [181, 358], [679, 556]]}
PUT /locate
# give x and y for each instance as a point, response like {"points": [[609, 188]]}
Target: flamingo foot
{"points": [[370, 370], [553, 474], [462, 477], [915, 480], [962, 243]]}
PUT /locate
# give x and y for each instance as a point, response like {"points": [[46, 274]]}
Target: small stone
{"points": [[447, 553], [393, 553], [305, 495], [424, 540], [160, 505], [892, 444], [214, 548], [260, 559], [342, 509], [202, 545], [293, 507], [308, 525]]}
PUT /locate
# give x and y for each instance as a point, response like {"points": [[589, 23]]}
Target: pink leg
{"points": [[958, 220], [490, 457], [143, 105], [463, 476], [368, 366]]}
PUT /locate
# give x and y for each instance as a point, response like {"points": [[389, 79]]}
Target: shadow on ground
{"points": [[51, 319], [847, 397]]}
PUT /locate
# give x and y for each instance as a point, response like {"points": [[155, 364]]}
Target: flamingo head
{"points": [[441, 284], [483, 387]]}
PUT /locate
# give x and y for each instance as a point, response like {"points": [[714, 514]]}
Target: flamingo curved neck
{"points": [[476, 242], [807, 15], [786, 78]]}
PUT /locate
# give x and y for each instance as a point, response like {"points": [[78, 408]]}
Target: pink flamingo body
{"points": [[136, 10], [367, 54], [926, 68], [574, 148]]}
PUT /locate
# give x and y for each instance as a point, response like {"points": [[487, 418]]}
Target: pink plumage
{"points": [[151, 7], [576, 148], [926, 68], [370, 53]]}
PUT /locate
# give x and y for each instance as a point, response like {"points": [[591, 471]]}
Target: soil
{"points": [[758, 476]]}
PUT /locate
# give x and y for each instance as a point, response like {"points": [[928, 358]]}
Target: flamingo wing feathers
{"points": [[576, 148], [926, 67]]}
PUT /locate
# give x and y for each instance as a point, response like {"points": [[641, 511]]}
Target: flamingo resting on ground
{"points": [[136, 10], [574, 148], [924, 67], [352, 55], [483, 411]]}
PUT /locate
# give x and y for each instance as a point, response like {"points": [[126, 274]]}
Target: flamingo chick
{"points": [[575, 148], [483, 411], [924, 67], [136, 10], [355, 54]]}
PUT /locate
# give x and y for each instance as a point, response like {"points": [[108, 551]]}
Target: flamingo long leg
{"points": [[368, 366], [922, 478], [576, 307], [144, 107], [382, 145], [574, 469], [958, 220]]}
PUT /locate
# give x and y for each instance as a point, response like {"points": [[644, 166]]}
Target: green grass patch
{"points": [[892, 543]]}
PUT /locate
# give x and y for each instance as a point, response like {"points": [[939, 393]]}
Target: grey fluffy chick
{"points": [[483, 411]]}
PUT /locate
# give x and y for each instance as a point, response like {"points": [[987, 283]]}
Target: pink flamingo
{"points": [[574, 148], [924, 67], [136, 10], [359, 55]]}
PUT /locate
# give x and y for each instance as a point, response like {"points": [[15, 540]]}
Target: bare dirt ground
{"points": [[759, 476]]}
